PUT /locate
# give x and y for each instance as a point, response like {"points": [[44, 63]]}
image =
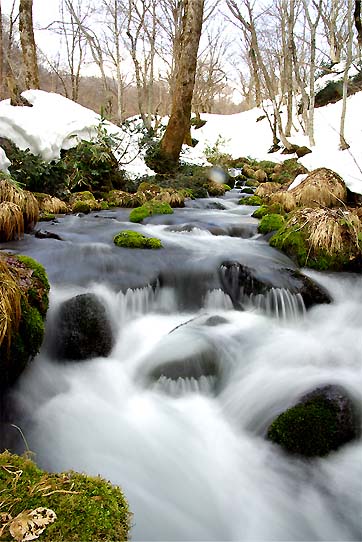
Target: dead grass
{"points": [[322, 188], [23, 199], [284, 198], [331, 230], [51, 204], [10, 308], [264, 190], [11, 221]]}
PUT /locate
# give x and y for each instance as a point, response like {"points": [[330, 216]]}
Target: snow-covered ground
{"points": [[54, 122]]}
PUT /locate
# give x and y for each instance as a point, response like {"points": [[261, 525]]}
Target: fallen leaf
{"points": [[29, 524]]}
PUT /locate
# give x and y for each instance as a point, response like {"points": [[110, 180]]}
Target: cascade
{"points": [[177, 413]]}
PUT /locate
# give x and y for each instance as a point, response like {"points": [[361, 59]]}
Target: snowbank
{"points": [[55, 123], [4, 161]]}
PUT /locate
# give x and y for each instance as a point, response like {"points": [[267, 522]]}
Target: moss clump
{"points": [[88, 508], [40, 288], [252, 182], [81, 207], [152, 207], [250, 200], [260, 211], [247, 190], [270, 222], [46, 217], [158, 161], [307, 429], [133, 239]]}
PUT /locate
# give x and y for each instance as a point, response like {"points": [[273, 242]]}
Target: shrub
{"points": [[133, 239], [87, 508], [270, 223]]}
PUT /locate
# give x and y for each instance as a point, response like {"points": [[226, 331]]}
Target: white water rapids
{"points": [[194, 464]]}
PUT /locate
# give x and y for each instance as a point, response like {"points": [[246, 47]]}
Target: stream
{"points": [[187, 445]]}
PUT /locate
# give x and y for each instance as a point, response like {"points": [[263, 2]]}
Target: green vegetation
{"points": [[24, 291], [307, 429], [81, 207], [152, 207], [46, 217], [287, 171], [270, 222], [247, 190], [157, 161], [133, 239], [250, 200], [87, 509]]}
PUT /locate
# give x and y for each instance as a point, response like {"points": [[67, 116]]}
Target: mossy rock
{"points": [[133, 239], [81, 207], [87, 509], [152, 207], [323, 239], [24, 295], [252, 182], [158, 161], [321, 422], [268, 209], [287, 171], [270, 222], [46, 217], [250, 200], [247, 190]]}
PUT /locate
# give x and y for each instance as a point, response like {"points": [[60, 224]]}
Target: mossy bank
{"points": [[87, 509]]}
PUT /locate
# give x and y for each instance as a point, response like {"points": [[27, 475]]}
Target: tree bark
{"points": [[342, 141], [357, 21], [28, 43], [2, 59], [179, 122]]}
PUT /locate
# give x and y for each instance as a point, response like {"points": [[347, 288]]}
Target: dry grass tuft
{"points": [[30, 210], [23, 199], [322, 188], [11, 222], [266, 189], [284, 198], [10, 308], [51, 204], [331, 230]]}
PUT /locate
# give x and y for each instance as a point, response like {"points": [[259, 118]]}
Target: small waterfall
{"points": [[181, 386], [278, 302], [217, 300]]}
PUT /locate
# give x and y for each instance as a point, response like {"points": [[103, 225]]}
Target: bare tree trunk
{"points": [[28, 43], [289, 67], [179, 122], [357, 21], [342, 141], [313, 31]]}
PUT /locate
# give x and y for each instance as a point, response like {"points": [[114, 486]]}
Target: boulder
{"points": [[242, 283], [322, 421], [82, 328]]}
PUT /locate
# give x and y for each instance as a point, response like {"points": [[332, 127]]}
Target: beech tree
{"points": [[28, 46], [179, 123]]}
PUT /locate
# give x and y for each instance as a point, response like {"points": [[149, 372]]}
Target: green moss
{"points": [[260, 211], [138, 214], [149, 208], [226, 187], [31, 328], [133, 239], [247, 190], [38, 292], [88, 508], [287, 171], [81, 207], [250, 200], [46, 217], [294, 242], [104, 205], [270, 222], [306, 429], [251, 182], [158, 161]]}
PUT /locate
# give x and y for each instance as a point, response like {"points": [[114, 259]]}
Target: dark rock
{"points": [[321, 422], [291, 150], [187, 368], [215, 205], [44, 234], [241, 282], [274, 148], [82, 329], [215, 321], [302, 151]]}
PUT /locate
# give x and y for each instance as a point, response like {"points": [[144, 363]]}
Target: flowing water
{"points": [[188, 445]]}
